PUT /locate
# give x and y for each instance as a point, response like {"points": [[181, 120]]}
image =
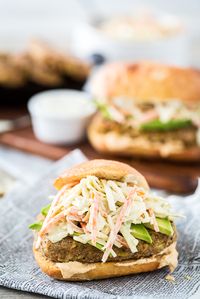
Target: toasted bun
{"points": [[76, 271], [115, 144], [146, 81], [105, 169]]}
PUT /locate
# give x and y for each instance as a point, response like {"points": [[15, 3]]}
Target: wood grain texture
{"points": [[173, 177]]}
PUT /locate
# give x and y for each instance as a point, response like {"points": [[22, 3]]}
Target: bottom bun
{"points": [[76, 271], [124, 145]]}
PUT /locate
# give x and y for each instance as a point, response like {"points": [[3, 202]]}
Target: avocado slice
{"points": [[103, 108], [164, 225], [140, 232], [99, 246], [173, 124], [36, 225], [45, 210]]}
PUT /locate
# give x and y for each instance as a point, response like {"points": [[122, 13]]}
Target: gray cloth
{"points": [[18, 168], [19, 270], [22, 166]]}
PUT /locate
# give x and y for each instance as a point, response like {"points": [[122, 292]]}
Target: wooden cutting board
{"points": [[178, 178]]}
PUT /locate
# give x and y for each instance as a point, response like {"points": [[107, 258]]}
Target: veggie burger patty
{"points": [[70, 250]]}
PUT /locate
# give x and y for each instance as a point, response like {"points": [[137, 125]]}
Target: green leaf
{"points": [[103, 108], [76, 234], [140, 232], [99, 246], [45, 210], [36, 225], [157, 125], [164, 225]]}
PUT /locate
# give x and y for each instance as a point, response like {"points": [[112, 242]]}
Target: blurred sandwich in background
{"points": [[147, 110], [38, 68]]}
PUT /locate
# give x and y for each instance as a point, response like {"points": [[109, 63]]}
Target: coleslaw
{"points": [[173, 114], [102, 213]]}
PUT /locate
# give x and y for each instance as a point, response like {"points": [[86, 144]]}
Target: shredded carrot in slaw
{"points": [[153, 220], [74, 226], [51, 211], [120, 220], [122, 241], [51, 222], [83, 212], [94, 215]]}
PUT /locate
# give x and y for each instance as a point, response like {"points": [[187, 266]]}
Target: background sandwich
{"points": [[104, 222], [148, 110]]}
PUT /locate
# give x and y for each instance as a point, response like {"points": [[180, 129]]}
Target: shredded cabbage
{"points": [[100, 212], [131, 114]]}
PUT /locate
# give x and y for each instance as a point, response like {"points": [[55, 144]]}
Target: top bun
{"points": [[146, 81], [105, 169]]}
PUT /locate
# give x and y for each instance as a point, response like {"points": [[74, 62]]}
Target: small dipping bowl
{"points": [[60, 116]]}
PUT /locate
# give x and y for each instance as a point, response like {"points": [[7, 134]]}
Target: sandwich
{"points": [[147, 110], [104, 222]]}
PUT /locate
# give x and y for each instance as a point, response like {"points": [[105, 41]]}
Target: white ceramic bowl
{"points": [[60, 116], [172, 49]]}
